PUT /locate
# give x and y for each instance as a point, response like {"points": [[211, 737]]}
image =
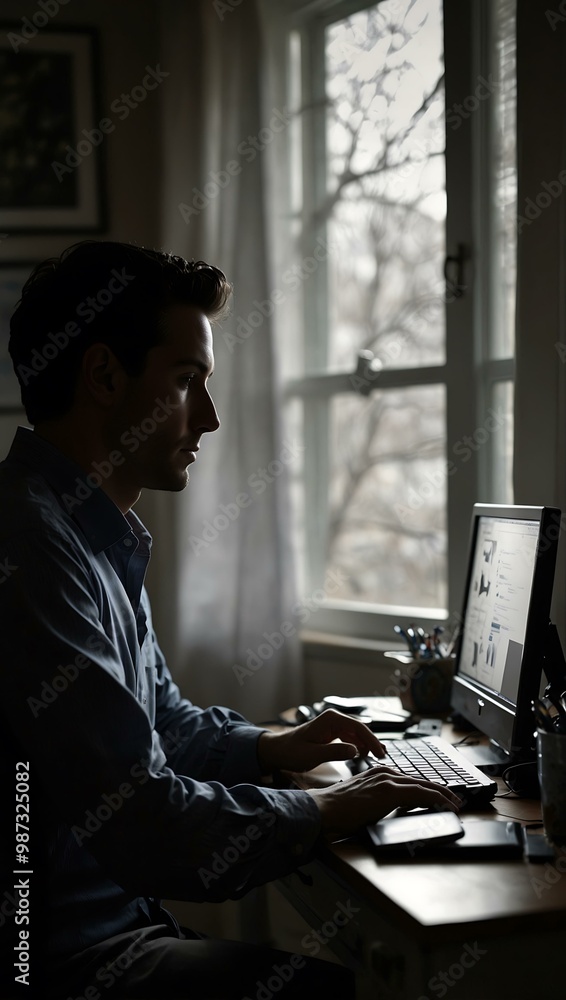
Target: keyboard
{"points": [[437, 760]]}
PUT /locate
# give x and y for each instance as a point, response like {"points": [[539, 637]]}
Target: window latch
{"points": [[454, 274], [367, 372]]}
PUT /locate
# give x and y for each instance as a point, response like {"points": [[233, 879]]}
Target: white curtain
{"points": [[540, 389], [222, 582]]}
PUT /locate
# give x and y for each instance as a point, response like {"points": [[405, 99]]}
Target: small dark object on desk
{"points": [[536, 847], [426, 727], [351, 706], [383, 714], [305, 713]]}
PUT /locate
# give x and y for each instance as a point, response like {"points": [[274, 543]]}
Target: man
{"points": [[135, 793]]}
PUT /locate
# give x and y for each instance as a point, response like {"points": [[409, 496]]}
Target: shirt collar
{"points": [[98, 517]]}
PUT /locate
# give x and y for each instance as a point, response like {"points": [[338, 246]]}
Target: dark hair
{"points": [[100, 292]]}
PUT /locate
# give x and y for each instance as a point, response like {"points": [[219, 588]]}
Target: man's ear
{"points": [[102, 374]]}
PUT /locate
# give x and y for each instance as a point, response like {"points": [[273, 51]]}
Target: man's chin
{"points": [[172, 483]]}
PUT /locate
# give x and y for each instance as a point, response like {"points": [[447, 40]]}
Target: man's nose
{"points": [[210, 420]]}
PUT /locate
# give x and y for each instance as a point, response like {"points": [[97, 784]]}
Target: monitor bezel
{"points": [[512, 729]]}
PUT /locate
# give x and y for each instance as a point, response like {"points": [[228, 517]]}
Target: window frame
{"points": [[469, 317]]}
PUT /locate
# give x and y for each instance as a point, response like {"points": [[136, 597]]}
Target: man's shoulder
{"points": [[29, 504]]}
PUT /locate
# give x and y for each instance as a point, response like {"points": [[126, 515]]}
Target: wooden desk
{"points": [[418, 930]]}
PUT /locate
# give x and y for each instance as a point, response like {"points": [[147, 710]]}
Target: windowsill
{"points": [[323, 645]]}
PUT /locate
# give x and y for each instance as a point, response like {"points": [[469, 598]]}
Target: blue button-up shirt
{"points": [[138, 793]]}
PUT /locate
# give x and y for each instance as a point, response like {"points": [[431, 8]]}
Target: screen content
{"points": [[498, 603]]}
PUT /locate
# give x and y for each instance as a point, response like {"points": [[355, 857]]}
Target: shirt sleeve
{"points": [[207, 744], [157, 832]]}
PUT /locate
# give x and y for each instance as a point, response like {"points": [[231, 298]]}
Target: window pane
{"points": [[504, 107], [502, 405], [386, 203], [387, 525]]}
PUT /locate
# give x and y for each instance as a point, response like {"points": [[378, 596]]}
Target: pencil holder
{"points": [[425, 685]]}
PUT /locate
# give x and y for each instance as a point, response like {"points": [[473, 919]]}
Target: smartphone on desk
{"points": [[409, 833]]}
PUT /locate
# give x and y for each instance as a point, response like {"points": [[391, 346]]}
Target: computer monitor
{"points": [[505, 621]]}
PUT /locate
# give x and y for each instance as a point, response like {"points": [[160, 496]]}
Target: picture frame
{"points": [[51, 145], [12, 279]]}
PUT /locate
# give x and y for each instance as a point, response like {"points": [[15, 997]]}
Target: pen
{"points": [[421, 645]]}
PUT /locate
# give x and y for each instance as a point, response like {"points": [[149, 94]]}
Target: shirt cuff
{"points": [[241, 764], [298, 823]]}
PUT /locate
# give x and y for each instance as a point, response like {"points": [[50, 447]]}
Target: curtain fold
{"points": [[540, 386], [223, 594]]}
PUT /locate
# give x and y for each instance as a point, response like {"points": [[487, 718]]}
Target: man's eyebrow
{"points": [[202, 367]]}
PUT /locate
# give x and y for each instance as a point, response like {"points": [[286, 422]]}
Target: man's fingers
{"points": [[337, 751], [411, 787], [378, 769], [344, 727], [419, 795]]}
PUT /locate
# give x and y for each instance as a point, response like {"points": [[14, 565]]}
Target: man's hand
{"points": [[306, 746], [349, 805]]}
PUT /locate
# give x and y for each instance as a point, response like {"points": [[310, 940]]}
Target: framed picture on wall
{"points": [[12, 279], [51, 137]]}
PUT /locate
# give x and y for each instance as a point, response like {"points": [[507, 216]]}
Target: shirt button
{"points": [[128, 542]]}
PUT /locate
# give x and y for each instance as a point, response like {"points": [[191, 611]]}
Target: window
{"points": [[400, 374]]}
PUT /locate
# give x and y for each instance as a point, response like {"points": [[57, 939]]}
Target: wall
{"points": [[129, 39], [129, 33]]}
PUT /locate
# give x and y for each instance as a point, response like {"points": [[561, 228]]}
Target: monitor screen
{"points": [[505, 620]]}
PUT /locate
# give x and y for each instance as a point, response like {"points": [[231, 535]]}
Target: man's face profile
{"points": [[162, 413]]}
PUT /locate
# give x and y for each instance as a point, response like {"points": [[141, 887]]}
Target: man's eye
{"points": [[186, 380]]}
